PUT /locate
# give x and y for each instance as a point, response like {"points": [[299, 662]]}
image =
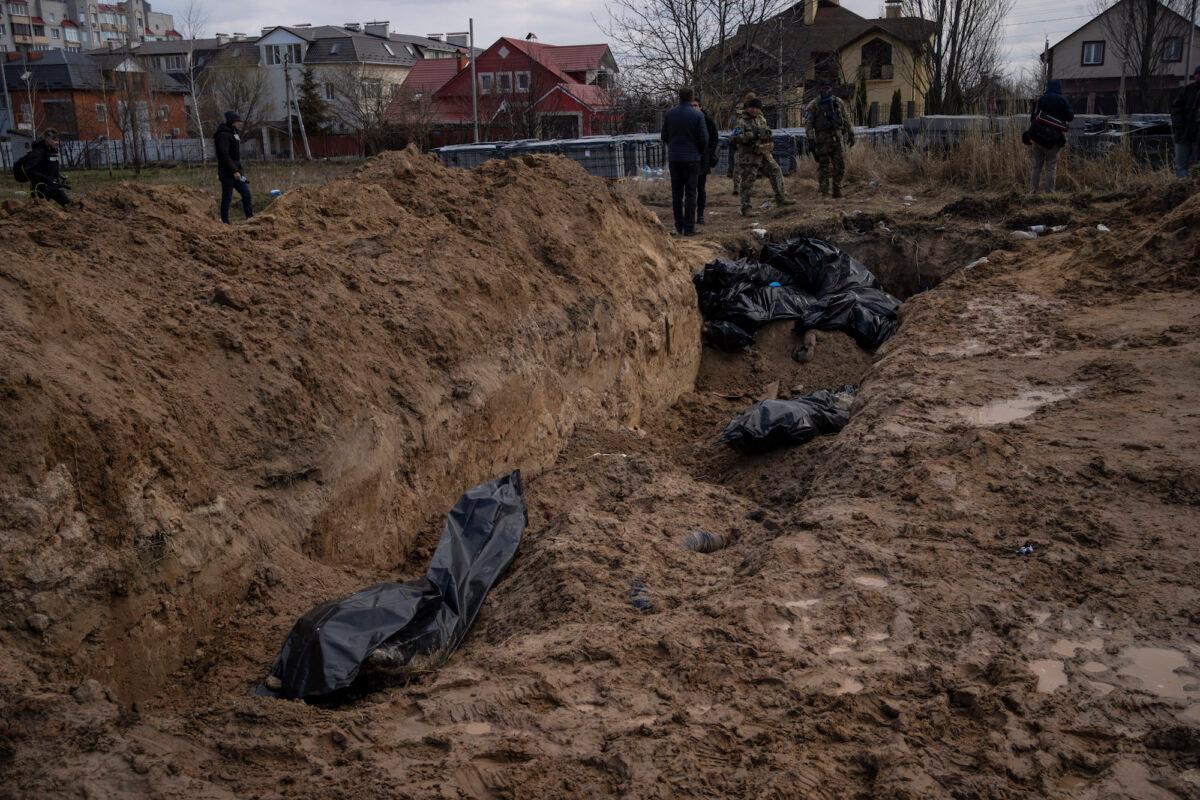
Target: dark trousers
{"points": [[50, 191], [701, 195], [685, 177], [228, 184]]}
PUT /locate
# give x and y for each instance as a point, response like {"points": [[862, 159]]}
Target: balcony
{"points": [[876, 72]]}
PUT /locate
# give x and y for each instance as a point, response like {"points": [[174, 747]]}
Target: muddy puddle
{"points": [[1025, 404]]}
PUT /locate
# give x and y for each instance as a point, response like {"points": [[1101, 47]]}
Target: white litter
{"points": [[977, 262], [1103, 228], [1024, 235]]}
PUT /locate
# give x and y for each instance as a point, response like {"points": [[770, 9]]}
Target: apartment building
{"points": [[78, 25]]}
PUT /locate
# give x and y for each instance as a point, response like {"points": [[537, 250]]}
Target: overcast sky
{"points": [[562, 21]]}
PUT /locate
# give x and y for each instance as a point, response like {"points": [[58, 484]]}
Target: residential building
{"points": [[41, 25], [88, 96], [526, 89], [786, 58], [1099, 58], [358, 67]]}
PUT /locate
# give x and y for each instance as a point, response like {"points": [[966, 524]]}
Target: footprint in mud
{"points": [[1050, 674]]}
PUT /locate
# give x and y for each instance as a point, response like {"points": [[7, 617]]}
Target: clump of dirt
{"points": [[982, 207], [310, 387]]}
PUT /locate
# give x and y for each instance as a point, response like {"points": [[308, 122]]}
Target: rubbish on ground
{"points": [[1025, 550], [1057, 228], [977, 263], [766, 204], [276, 193], [1103, 228], [639, 596], [770, 424], [391, 623], [703, 541], [908, 198], [1038, 229], [761, 233], [770, 391], [803, 279], [1024, 235]]}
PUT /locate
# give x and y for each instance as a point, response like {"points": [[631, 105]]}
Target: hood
{"points": [[1054, 87]]}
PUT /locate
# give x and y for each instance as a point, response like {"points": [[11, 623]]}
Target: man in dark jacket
{"points": [[1047, 134], [708, 163], [41, 169], [1185, 122], [686, 138], [227, 142]]}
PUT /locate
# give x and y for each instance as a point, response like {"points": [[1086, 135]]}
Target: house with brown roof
{"points": [[526, 89], [785, 59]]}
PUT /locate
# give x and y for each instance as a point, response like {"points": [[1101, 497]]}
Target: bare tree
{"points": [[964, 52], [362, 95], [237, 84], [195, 21], [721, 47], [412, 114], [1140, 33]]}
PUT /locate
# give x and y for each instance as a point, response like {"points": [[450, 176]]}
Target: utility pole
{"points": [[781, 120], [287, 83], [10, 120], [1187, 68], [474, 81], [295, 103]]}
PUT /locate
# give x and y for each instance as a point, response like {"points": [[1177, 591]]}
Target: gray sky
{"points": [[562, 21]]}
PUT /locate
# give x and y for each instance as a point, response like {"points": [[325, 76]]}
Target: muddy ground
{"points": [[871, 631]]}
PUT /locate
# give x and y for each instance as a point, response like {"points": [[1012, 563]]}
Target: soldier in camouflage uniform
{"points": [[739, 115], [828, 118], [755, 144]]}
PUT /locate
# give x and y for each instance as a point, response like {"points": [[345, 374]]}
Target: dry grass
{"points": [[989, 163]]}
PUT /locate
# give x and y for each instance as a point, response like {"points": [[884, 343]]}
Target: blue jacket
{"points": [[685, 134]]}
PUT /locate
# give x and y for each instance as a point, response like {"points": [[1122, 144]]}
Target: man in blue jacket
{"points": [[686, 137]]}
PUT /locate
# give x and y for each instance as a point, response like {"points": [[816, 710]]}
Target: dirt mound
{"points": [[1162, 255], [197, 400]]}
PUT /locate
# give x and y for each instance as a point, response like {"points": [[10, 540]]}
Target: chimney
{"points": [[379, 29], [239, 37], [892, 9], [353, 27], [222, 39], [463, 61], [531, 37]]}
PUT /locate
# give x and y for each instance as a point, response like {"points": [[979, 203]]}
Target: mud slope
{"points": [[184, 403]]}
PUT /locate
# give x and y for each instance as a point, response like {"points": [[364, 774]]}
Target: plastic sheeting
{"points": [[804, 279], [771, 424], [431, 615]]}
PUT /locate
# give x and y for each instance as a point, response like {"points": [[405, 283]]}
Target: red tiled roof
{"points": [[577, 57], [594, 96], [431, 74], [174, 32], [38, 21], [69, 24], [538, 52]]}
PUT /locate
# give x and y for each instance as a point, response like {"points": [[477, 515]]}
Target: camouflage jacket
{"points": [[753, 137], [829, 121]]}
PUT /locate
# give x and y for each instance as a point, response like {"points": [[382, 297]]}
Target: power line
{"points": [[1040, 21]]}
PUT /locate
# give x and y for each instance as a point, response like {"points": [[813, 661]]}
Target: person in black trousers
{"points": [[227, 142], [686, 138], [708, 163]]}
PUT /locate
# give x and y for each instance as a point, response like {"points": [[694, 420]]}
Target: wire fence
{"points": [[117, 153]]}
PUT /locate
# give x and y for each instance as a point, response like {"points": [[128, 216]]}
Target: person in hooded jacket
{"points": [[1047, 134], [41, 169], [1185, 124], [227, 142]]}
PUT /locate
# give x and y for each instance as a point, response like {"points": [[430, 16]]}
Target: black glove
{"points": [[850, 138]]}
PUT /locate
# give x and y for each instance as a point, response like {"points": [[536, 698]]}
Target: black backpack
{"points": [[19, 166]]}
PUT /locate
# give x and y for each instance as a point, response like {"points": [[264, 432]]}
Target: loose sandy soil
{"points": [[870, 631]]}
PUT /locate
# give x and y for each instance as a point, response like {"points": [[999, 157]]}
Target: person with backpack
{"points": [[1185, 124], [755, 148], [1047, 135], [829, 118], [227, 143], [39, 168]]}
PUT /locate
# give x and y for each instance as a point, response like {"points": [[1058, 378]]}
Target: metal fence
{"points": [[110, 153]]}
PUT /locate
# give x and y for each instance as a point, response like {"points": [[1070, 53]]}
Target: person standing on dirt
{"points": [[1047, 134], [686, 138], [708, 163], [227, 142], [739, 116], [40, 167], [755, 154], [1185, 123], [829, 118]]}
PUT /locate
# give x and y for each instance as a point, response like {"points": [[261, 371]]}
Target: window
{"points": [[1093, 54], [174, 63], [329, 95], [21, 30], [485, 82], [39, 30], [523, 81], [101, 112], [164, 111], [54, 33], [335, 48], [388, 47], [281, 53], [1173, 48], [53, 17], [504, 82], [1, 30]]}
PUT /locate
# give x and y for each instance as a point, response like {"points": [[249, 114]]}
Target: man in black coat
{"points": [[1185, 123], [686, 138], [1047, 134], [227, 142], [41, 169], [708, 163]]}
